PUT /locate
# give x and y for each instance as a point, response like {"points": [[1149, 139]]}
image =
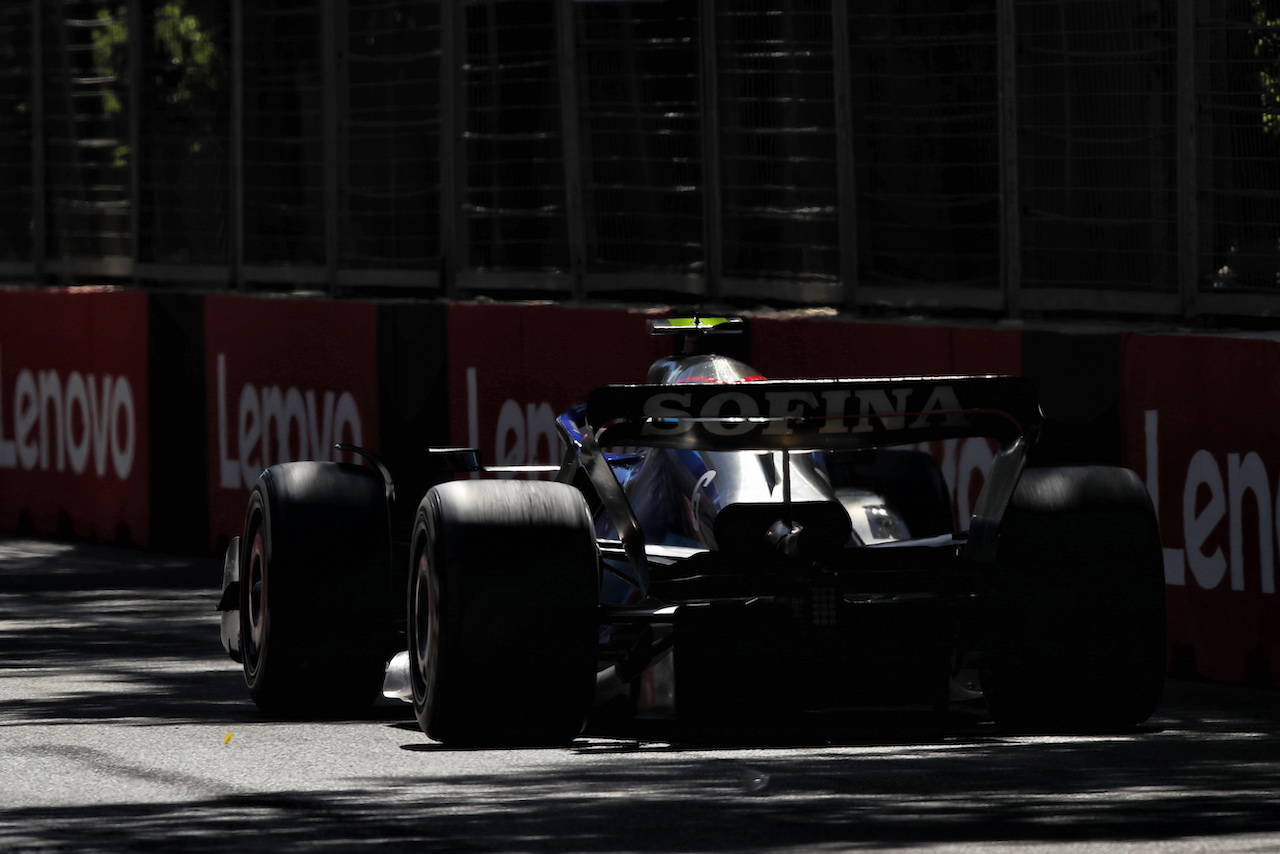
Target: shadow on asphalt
{"points": [[1207, 765], [981, 794], [145, 619]]}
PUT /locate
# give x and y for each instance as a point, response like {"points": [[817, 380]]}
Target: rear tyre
{"points": [[503, 631], [1078, 618], [314, 589]]}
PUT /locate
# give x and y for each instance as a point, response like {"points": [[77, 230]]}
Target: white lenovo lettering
{"points": [[964, 464], [522, 433], [274, 425], [59, 425], [1209, 497], [1208, 569]]}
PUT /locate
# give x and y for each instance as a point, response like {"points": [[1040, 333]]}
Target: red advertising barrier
{"points": [[513, 369], [824, 347], [285, 380], [73, 413], [828, 347], [1199, 422]]}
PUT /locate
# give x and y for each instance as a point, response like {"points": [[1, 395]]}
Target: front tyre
{"points": [[503, 631], [1078, 618], [315, 589]]}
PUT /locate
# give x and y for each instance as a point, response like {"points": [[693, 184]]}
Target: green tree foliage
{"points": [[189, 65], [1266, 48], [192, 63]]}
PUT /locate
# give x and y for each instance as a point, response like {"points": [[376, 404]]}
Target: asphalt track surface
{"points": [[124, 728]]}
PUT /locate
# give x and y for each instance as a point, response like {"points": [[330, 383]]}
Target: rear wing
{"points": [[814, 414]]}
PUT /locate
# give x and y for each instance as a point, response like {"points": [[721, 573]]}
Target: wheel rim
{"points": [[257, 603], [425, 633]]}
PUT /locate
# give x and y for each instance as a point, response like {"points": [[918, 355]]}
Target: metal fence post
{"points": [[38, 189], [135, 102], [846, 176], [712, 229], [1010, 207], [453, 235], [237, 145], [330, 10], [1188, 165], [571, 144]]}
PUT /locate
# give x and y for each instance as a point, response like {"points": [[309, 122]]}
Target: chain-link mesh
{"points": [[1239, 71], [284, 200], [15, 133], [342, 131], [514, 199], [185, 180], [777, 139], [926, 143], [1097, 97], [638, 66], [391, 129], [86, 105]]}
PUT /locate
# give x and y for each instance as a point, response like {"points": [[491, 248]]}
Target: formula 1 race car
{"points": [[717, 550]]}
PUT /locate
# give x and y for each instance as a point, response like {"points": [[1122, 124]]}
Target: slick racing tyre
{"points": [[503, 630], [1078, 618], [315, 589]]}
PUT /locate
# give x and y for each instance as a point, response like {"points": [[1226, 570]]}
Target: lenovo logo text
{"points": [[273, 425], [81, 423]]}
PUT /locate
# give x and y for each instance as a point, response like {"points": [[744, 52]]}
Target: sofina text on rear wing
{"points": [[814, 414]]}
